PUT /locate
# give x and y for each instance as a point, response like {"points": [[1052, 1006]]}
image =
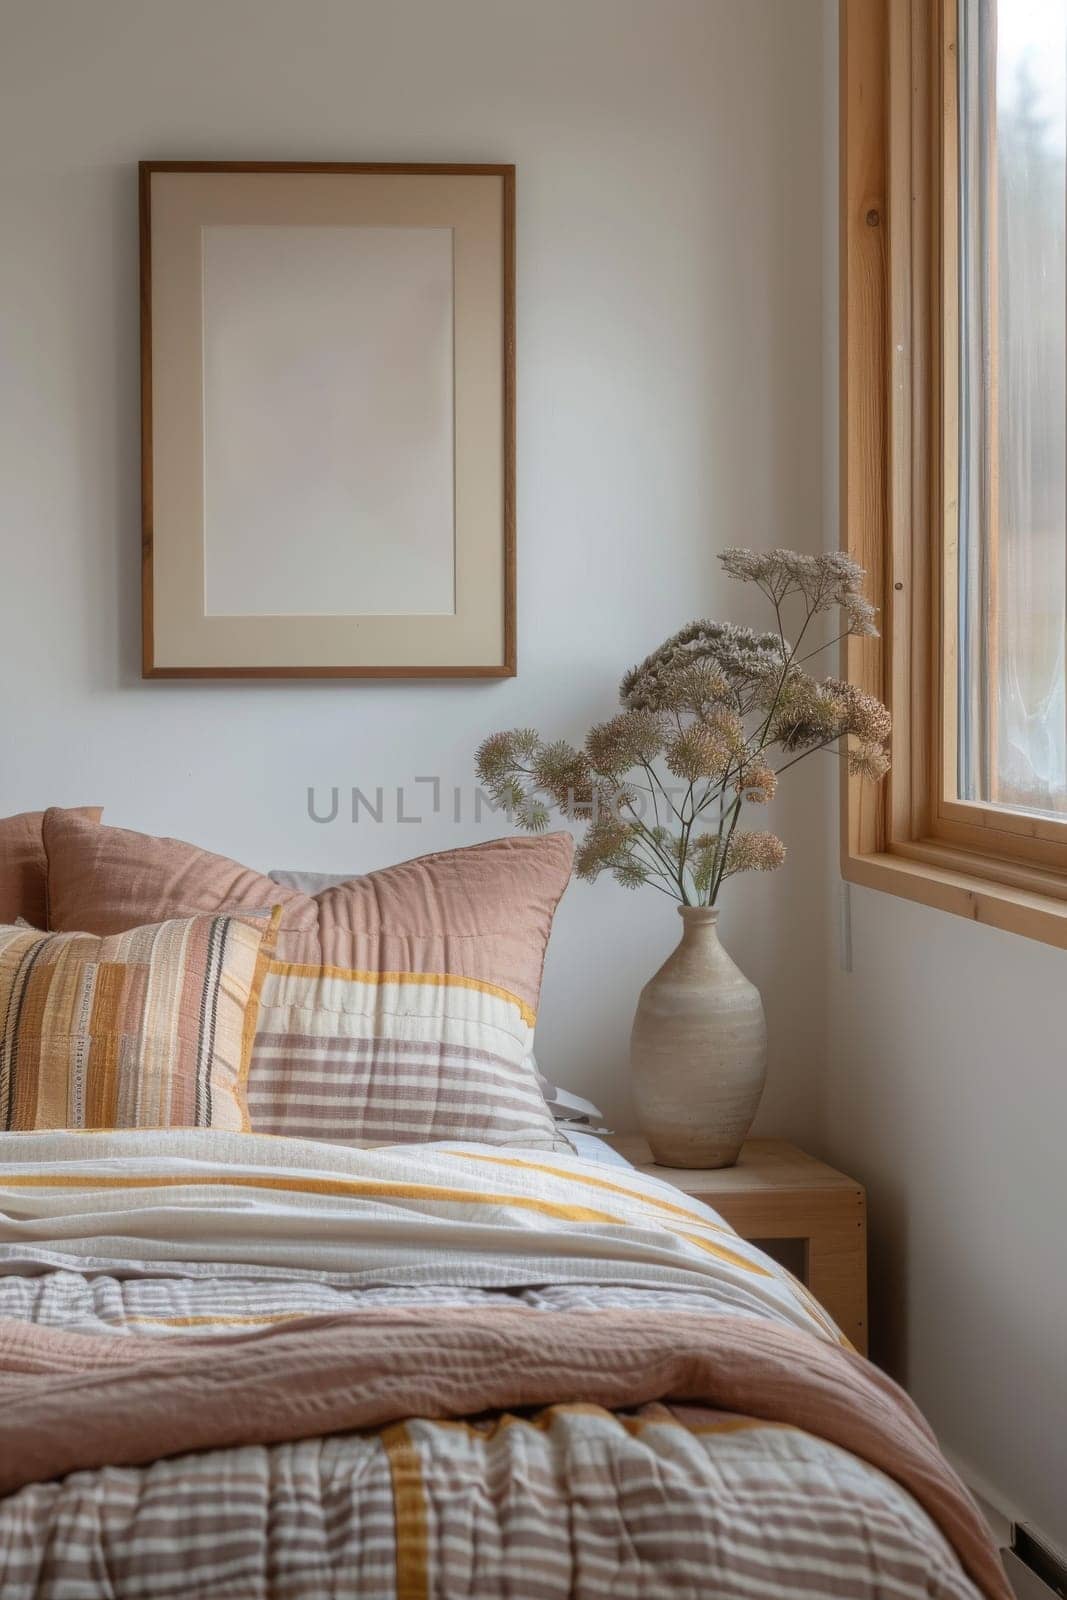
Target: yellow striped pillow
{"points": [[147, 1029]]}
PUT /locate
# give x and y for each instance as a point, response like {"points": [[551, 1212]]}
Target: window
{"points": [[1012, 573], [954, 445]]}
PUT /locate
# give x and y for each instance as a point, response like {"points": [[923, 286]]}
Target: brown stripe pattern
{"points": [[571, 1501], [71, 1404], [143, 1029], [381, 1091]]}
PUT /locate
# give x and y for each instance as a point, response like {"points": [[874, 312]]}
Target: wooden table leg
{"points": [[836, 1264]]}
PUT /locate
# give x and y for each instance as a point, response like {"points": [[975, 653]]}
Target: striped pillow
{"points": [[398, 1007], [147, 1029]]}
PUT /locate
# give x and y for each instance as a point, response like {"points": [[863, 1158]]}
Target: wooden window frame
{"points": [[899, 424]]}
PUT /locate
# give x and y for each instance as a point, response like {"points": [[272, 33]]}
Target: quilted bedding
{"points": [[116, 1246]]}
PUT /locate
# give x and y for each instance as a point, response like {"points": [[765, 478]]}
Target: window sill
{"points": [[996, 894]]}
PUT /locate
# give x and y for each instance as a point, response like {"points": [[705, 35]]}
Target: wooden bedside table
{"points": [[776, 1191]]}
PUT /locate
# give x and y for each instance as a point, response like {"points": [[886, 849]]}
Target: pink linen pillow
{"points": [[24, 866], [398, 1007]]}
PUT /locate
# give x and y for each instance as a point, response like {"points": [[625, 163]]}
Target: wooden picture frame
{"points": [[328, 420]]}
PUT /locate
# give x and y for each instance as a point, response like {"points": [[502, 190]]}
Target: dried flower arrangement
{"points": [[718, 707]]}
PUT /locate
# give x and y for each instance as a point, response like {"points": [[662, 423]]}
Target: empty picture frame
{"points": [[328, 420]]}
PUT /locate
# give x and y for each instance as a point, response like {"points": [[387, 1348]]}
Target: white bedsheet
{"points": [[592, 1148], [205, 1203]]}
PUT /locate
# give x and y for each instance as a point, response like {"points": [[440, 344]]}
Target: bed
{"points": [[337, 1309], [237, 1365]]}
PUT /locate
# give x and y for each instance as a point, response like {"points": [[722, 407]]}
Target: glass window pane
{"points": [[1012, 716]]}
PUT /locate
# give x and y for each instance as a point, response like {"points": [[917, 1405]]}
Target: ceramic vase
{"points": [[698, 1050]]}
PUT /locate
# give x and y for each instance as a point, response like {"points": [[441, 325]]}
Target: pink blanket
{"points": [[69, 1401]]}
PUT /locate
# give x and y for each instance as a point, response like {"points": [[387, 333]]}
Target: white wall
{"points": [[945, 1092], [669, 262]]}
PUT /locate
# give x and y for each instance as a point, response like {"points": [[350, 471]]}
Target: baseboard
{"points": [[1038, 1556], [1026, 1585], [1004, 1519]]}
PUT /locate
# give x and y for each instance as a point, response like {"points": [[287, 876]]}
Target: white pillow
{"points": [[309, 882]]}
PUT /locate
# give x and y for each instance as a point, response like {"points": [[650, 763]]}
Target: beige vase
{"points": [[698, 1051]]}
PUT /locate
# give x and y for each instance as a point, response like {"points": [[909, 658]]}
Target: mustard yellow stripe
{"points": [[592, 1183], [721, 1251], [325, 1186], [670, 1208], [730, 1256], [248, 1032], [377, 1188], [819, 1315], [430, 980], [409, 1514]]}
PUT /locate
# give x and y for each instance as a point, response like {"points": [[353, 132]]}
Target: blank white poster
{"points": [[328, 421]]}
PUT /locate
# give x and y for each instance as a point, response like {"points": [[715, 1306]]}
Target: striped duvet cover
{"points": [[177, 1236]]}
